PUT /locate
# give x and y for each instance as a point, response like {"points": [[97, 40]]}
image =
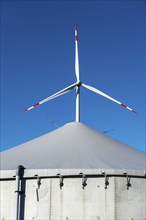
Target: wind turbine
{"points": [[77, 86]]}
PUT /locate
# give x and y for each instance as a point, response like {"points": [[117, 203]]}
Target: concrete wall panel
{"points": [[131, 203], [7, 198], [94, 202]]}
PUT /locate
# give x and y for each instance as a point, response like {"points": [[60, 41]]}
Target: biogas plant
{"points": [[73, 172]]}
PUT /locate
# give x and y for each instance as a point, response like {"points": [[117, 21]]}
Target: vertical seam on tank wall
{"points": [[61, 203], [105, 204], [145, 195], [83, 200], [115, 200], [50, 207]]}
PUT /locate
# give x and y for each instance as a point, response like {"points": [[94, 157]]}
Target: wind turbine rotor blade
{"points": [[61, 92], [45, 100], [107, 96], [76, 56]]}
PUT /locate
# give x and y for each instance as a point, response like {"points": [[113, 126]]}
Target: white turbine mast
{"points": [[77, 86]]}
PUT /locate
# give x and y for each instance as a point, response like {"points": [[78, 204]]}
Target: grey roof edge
{"points": [[32, 173]]}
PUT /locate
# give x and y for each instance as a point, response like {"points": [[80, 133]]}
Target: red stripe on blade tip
{"points": [[26, 110], [123, 105], [35, 105], [76, 37], [134, 111]]}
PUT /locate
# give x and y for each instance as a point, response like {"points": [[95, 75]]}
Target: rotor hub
{"points": [[79, 84]]}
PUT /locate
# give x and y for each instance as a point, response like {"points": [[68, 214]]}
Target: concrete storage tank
{"points": [[72, 173]]}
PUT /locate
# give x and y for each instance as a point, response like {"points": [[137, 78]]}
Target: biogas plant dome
{"points": [[73, 172], [73, 146]]}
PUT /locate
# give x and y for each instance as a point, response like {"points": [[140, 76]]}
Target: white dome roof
{"points": [[73, 146]]}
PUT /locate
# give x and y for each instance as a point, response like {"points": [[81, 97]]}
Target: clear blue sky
{"points": [[37, 60]]}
